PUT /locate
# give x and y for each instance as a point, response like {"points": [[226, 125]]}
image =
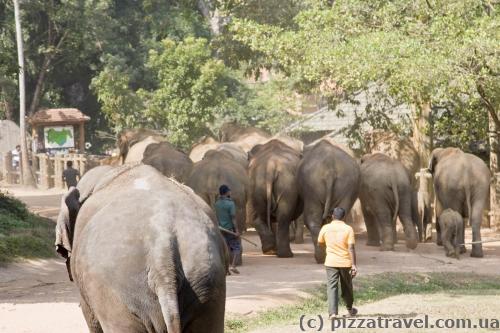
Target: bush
{"points": [[23, 234]]}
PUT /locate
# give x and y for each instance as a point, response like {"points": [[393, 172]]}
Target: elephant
{"points": [[203, 145], [236, 152], [147, 255], [168, 160], [462, 183], [273, 197], [296, 144], [451, 224], [402, 149], [386, 194], [130, 137], [328, 177], [245, 137], [217, 168], [64, 230]]}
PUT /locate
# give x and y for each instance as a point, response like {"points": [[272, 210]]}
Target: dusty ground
{"points": [[36, 296]]}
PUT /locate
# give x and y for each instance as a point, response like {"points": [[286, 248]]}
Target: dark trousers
{"points": [[335, 275]]}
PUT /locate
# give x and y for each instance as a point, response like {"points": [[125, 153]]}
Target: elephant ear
{"points": [[433, 159], [73, 203]]}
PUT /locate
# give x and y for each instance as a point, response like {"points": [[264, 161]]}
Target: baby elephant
{"points": [[452, 224]]}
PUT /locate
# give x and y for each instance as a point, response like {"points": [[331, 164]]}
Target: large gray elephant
{"points": [[403, 149], [461, 182], [327, 178], [217, 168], [385, 195], [168, 160], [147, 255], [64, 229], [273, 198]]}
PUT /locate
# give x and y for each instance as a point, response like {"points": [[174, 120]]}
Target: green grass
{"points": [[369, 289], [23, 234]]}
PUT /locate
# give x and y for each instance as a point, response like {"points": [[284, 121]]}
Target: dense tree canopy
{"points": [[163, 64], [438, 52]]}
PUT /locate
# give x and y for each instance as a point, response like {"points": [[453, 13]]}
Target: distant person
{"points": [[225, 209], [70, 175], [340, 262], [16, 157]]}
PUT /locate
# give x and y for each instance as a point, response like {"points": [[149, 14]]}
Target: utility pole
{"points": [[26, 175]]}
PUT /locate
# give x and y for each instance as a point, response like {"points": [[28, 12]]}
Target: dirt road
{"points": [[36, 296]]}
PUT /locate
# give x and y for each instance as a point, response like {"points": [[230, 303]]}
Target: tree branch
{"points": [[488, 104]]}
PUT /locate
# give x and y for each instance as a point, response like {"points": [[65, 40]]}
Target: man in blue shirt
{"points": [[225, 209]]}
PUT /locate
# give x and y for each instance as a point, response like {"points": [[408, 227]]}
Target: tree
{"points": [[26, 175], [423, 53]]}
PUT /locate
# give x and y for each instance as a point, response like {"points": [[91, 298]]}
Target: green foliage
{"points": [[370, 289], [23, 234], [419, 52], [192, 89]]}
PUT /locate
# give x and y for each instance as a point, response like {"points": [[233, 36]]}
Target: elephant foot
{"points": [[477, 253], [372, 243], [299, 240], [285, 254], [271, 252], [462, 249], [387, 247], [439, 242]]}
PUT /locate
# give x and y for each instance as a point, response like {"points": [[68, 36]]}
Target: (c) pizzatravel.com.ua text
{"points": [[318, 323]]}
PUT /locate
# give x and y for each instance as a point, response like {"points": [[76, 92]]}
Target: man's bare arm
{"points": [[352, 253]]}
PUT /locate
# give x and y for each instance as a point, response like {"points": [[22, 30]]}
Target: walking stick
{"points": [[235, 234]]}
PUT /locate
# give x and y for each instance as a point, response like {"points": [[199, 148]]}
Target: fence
{"points": [[47, 169]]}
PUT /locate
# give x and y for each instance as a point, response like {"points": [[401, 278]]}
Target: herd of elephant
{"points": [[145, 250], [278, 183]]}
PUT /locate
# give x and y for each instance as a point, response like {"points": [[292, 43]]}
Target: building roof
{"points": [[344, 115], [58, 116]]}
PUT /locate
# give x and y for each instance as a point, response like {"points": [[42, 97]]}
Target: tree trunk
{"points": [[422, 131], [209, 10], [26, 175], [35, 101]]}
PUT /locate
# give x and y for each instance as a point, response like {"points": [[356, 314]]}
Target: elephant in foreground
{"points": [[385, 195], [147, 255], [273, 197], [328, 177], [168, 160], [462, 183], [451, 224]]}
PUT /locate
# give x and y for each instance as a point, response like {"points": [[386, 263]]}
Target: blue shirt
{"points": [[225, 209]]}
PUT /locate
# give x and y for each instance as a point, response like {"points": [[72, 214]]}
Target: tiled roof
{"points": [[68, 115]]}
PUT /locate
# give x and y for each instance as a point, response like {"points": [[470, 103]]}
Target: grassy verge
{"points": [[369, 289], [23, 234]]}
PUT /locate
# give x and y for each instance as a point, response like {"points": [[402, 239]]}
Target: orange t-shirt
{"points": [[337, 236]]}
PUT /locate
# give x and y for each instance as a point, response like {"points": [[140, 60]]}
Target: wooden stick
{"points": [[235, 234], [481, 242]]}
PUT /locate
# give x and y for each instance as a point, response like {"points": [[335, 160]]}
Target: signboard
{"points": [[59, 137]]}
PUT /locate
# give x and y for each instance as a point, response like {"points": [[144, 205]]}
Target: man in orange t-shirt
{"points": [[340, 262]]}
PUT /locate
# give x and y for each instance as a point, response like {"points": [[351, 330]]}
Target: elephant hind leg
{"points": [[371, 228], [90, 318]]}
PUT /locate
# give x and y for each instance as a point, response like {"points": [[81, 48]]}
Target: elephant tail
{"points": [[166, 287], [394, 187], [328, 201]]}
